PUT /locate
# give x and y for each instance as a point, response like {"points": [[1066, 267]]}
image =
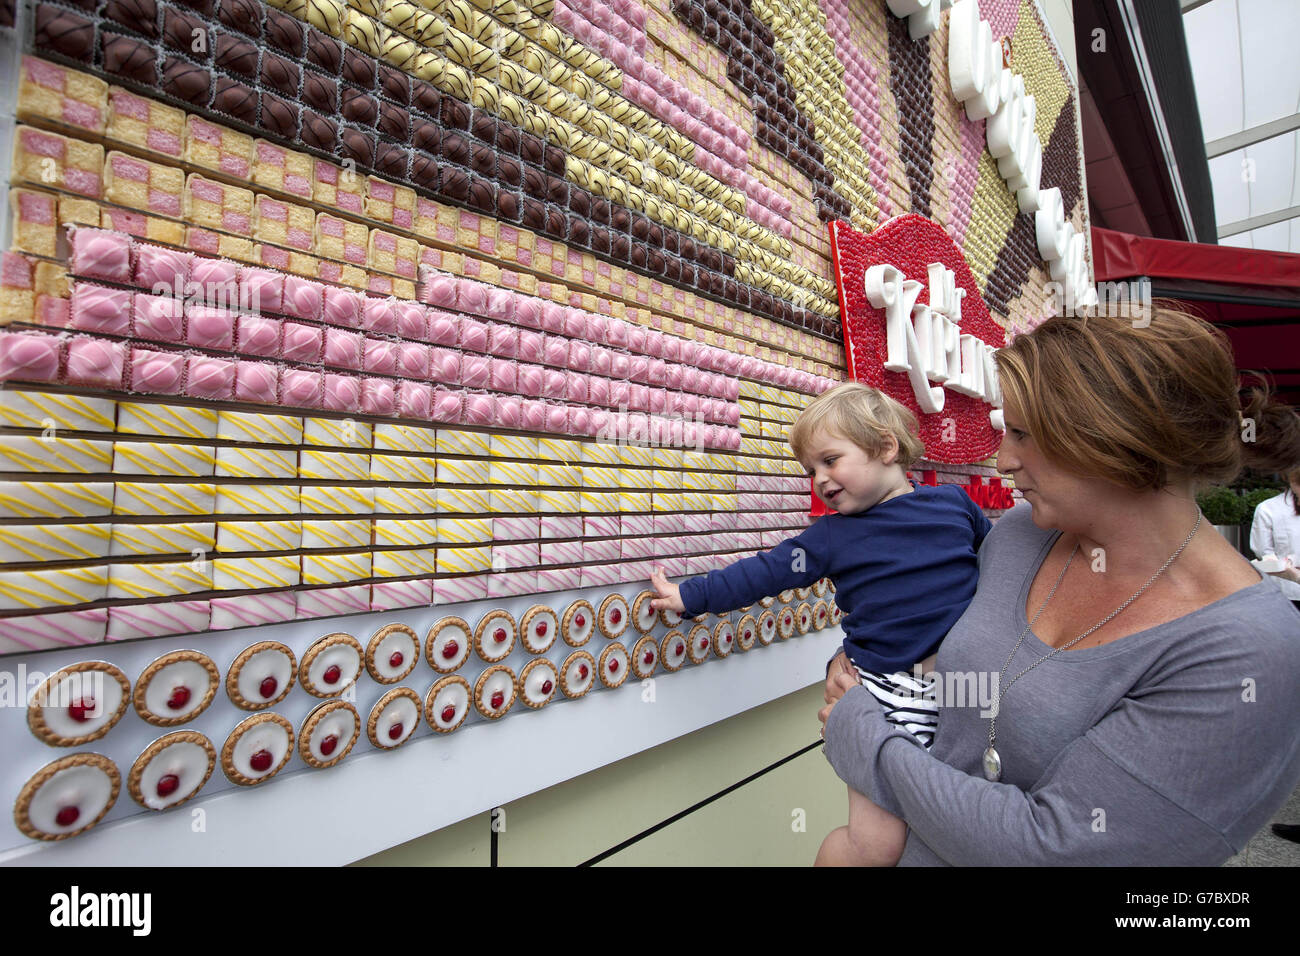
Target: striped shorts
{"points": [[910, 703]]}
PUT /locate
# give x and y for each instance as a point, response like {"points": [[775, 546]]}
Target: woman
{"points": [[1141, 675], [1276, 531]]}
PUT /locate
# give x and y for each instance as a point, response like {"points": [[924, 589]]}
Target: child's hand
{"points": [[667, 595]]}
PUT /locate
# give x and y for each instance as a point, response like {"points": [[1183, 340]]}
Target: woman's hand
{"points": [[839, 685], [667, 595]]}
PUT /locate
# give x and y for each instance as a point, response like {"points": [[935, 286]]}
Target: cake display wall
{"points": [[360, 361]]}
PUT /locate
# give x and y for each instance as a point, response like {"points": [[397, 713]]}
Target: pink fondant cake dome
{"points": [[99, 254]]}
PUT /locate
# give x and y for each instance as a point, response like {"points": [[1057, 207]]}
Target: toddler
{"points": [[901, 556]]}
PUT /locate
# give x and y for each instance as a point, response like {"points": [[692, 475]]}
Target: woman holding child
{"points": [[1146, 674]]}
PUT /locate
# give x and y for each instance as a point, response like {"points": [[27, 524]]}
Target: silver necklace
{"points": [[992, 760]]}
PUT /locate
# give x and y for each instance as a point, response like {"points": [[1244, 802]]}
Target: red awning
{"points": [[1117, 255]]}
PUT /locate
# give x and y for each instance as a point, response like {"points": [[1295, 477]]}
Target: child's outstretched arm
{"points": [[667, 594]]}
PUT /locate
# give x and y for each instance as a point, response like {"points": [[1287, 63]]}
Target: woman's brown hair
{"points": [[1143, 406]]}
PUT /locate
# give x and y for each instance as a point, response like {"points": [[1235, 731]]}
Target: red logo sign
{"points": [[960, 432]]}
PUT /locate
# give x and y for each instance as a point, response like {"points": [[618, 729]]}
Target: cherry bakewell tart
{"points": [[261, 676], [67, 796], [78, 703], [394, 718], [672, 650], [392, 653], [447, 704], [538, 628], [698, 644], [494, 638], [645, 657], [494, 693], [577, 674], [176, 688], [171, 770], [644, 617], [257, 749], [328, 734], [614, 616], [448, 644], [331, 665], [614, 665], [579, 623], [537, 682]]}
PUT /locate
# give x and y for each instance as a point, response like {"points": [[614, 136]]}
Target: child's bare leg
{"points": [[874, 837]]}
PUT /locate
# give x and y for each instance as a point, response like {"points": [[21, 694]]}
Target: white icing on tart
{"points": [[538, 682], [538, 628], [331, 665], [803, 617], [801, 594], [614, 616], [261, 675], [579, 623], [175, 688], [746, 632], [78, 704], [494, 694], [767, 627], [448, 644], [494, 638], [670, 617], [644, 617], [328, 734], [447, 704], [766, 601], [698, 644], [724, 638], [786, 596], [577, 674], [672, 652], [392, 654], [645, 657], [819, 588], [257, 749], [67, 796], [171, 770], [614, 665], [394, 718]]}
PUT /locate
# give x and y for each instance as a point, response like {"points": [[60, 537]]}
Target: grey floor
{"points": [[1268, 849]]}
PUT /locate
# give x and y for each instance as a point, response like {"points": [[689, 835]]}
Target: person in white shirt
{"points": [[1276, 531]]}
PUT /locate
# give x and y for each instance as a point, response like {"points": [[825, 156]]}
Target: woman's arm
{"points": [[1181, 773]]}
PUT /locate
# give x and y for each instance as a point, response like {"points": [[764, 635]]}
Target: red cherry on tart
{"points": [[167, 785], [79, 710], [179, 697], [395, 731], [704, 643], [268, 687], [541, 628], [448, 714], [260, 761], [547, 686], [499, 635], [583, 671], [679, 649], [328, 745], [648, 658], [67, 816], [332, 674], [396, 659], [580, 620], [450, 650], [616, 615], [498, 698], [613, 665]]}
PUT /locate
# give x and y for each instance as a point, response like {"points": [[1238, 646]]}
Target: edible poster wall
{"points": [[359, 361]]}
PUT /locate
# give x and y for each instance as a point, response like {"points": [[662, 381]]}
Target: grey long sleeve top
{"points": [[1171, 746]]}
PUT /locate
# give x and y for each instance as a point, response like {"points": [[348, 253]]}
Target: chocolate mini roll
{"points": [[484, 127], [279, 117], [139, 15], [242, 15], [579, 201], [320, 92], [359, 107], [454, 148], [534, 182], [507, 139], [483, 161], [426, 136], [507, 205], [557, 223], [236, 55], [185, 81], [553, 160], [426, 98], [640, 228], [455, 114], [283, 32], [483, 195], [359, 69], [394, 85], [579, 231], [557, 191], [394, 122], [455, 182], [600, 211], [318, 132], [620, 246], [620, 217], [392, 160], [235, 100], [129, 58], [280, 75], [672, 268], [638, 257], [64, 32], [509, 172], [178, 33], [424, 171], [532, 213], [357, 145], [531, 148], [600, 240], [324, 51]]}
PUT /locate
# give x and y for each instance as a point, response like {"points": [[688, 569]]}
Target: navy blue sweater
{"points": [[904, 571]]}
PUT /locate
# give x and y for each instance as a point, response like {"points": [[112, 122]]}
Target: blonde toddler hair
{"points": [[862, 415]]}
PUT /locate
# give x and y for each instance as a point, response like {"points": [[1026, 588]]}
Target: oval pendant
{"points": [[992, 765]]}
